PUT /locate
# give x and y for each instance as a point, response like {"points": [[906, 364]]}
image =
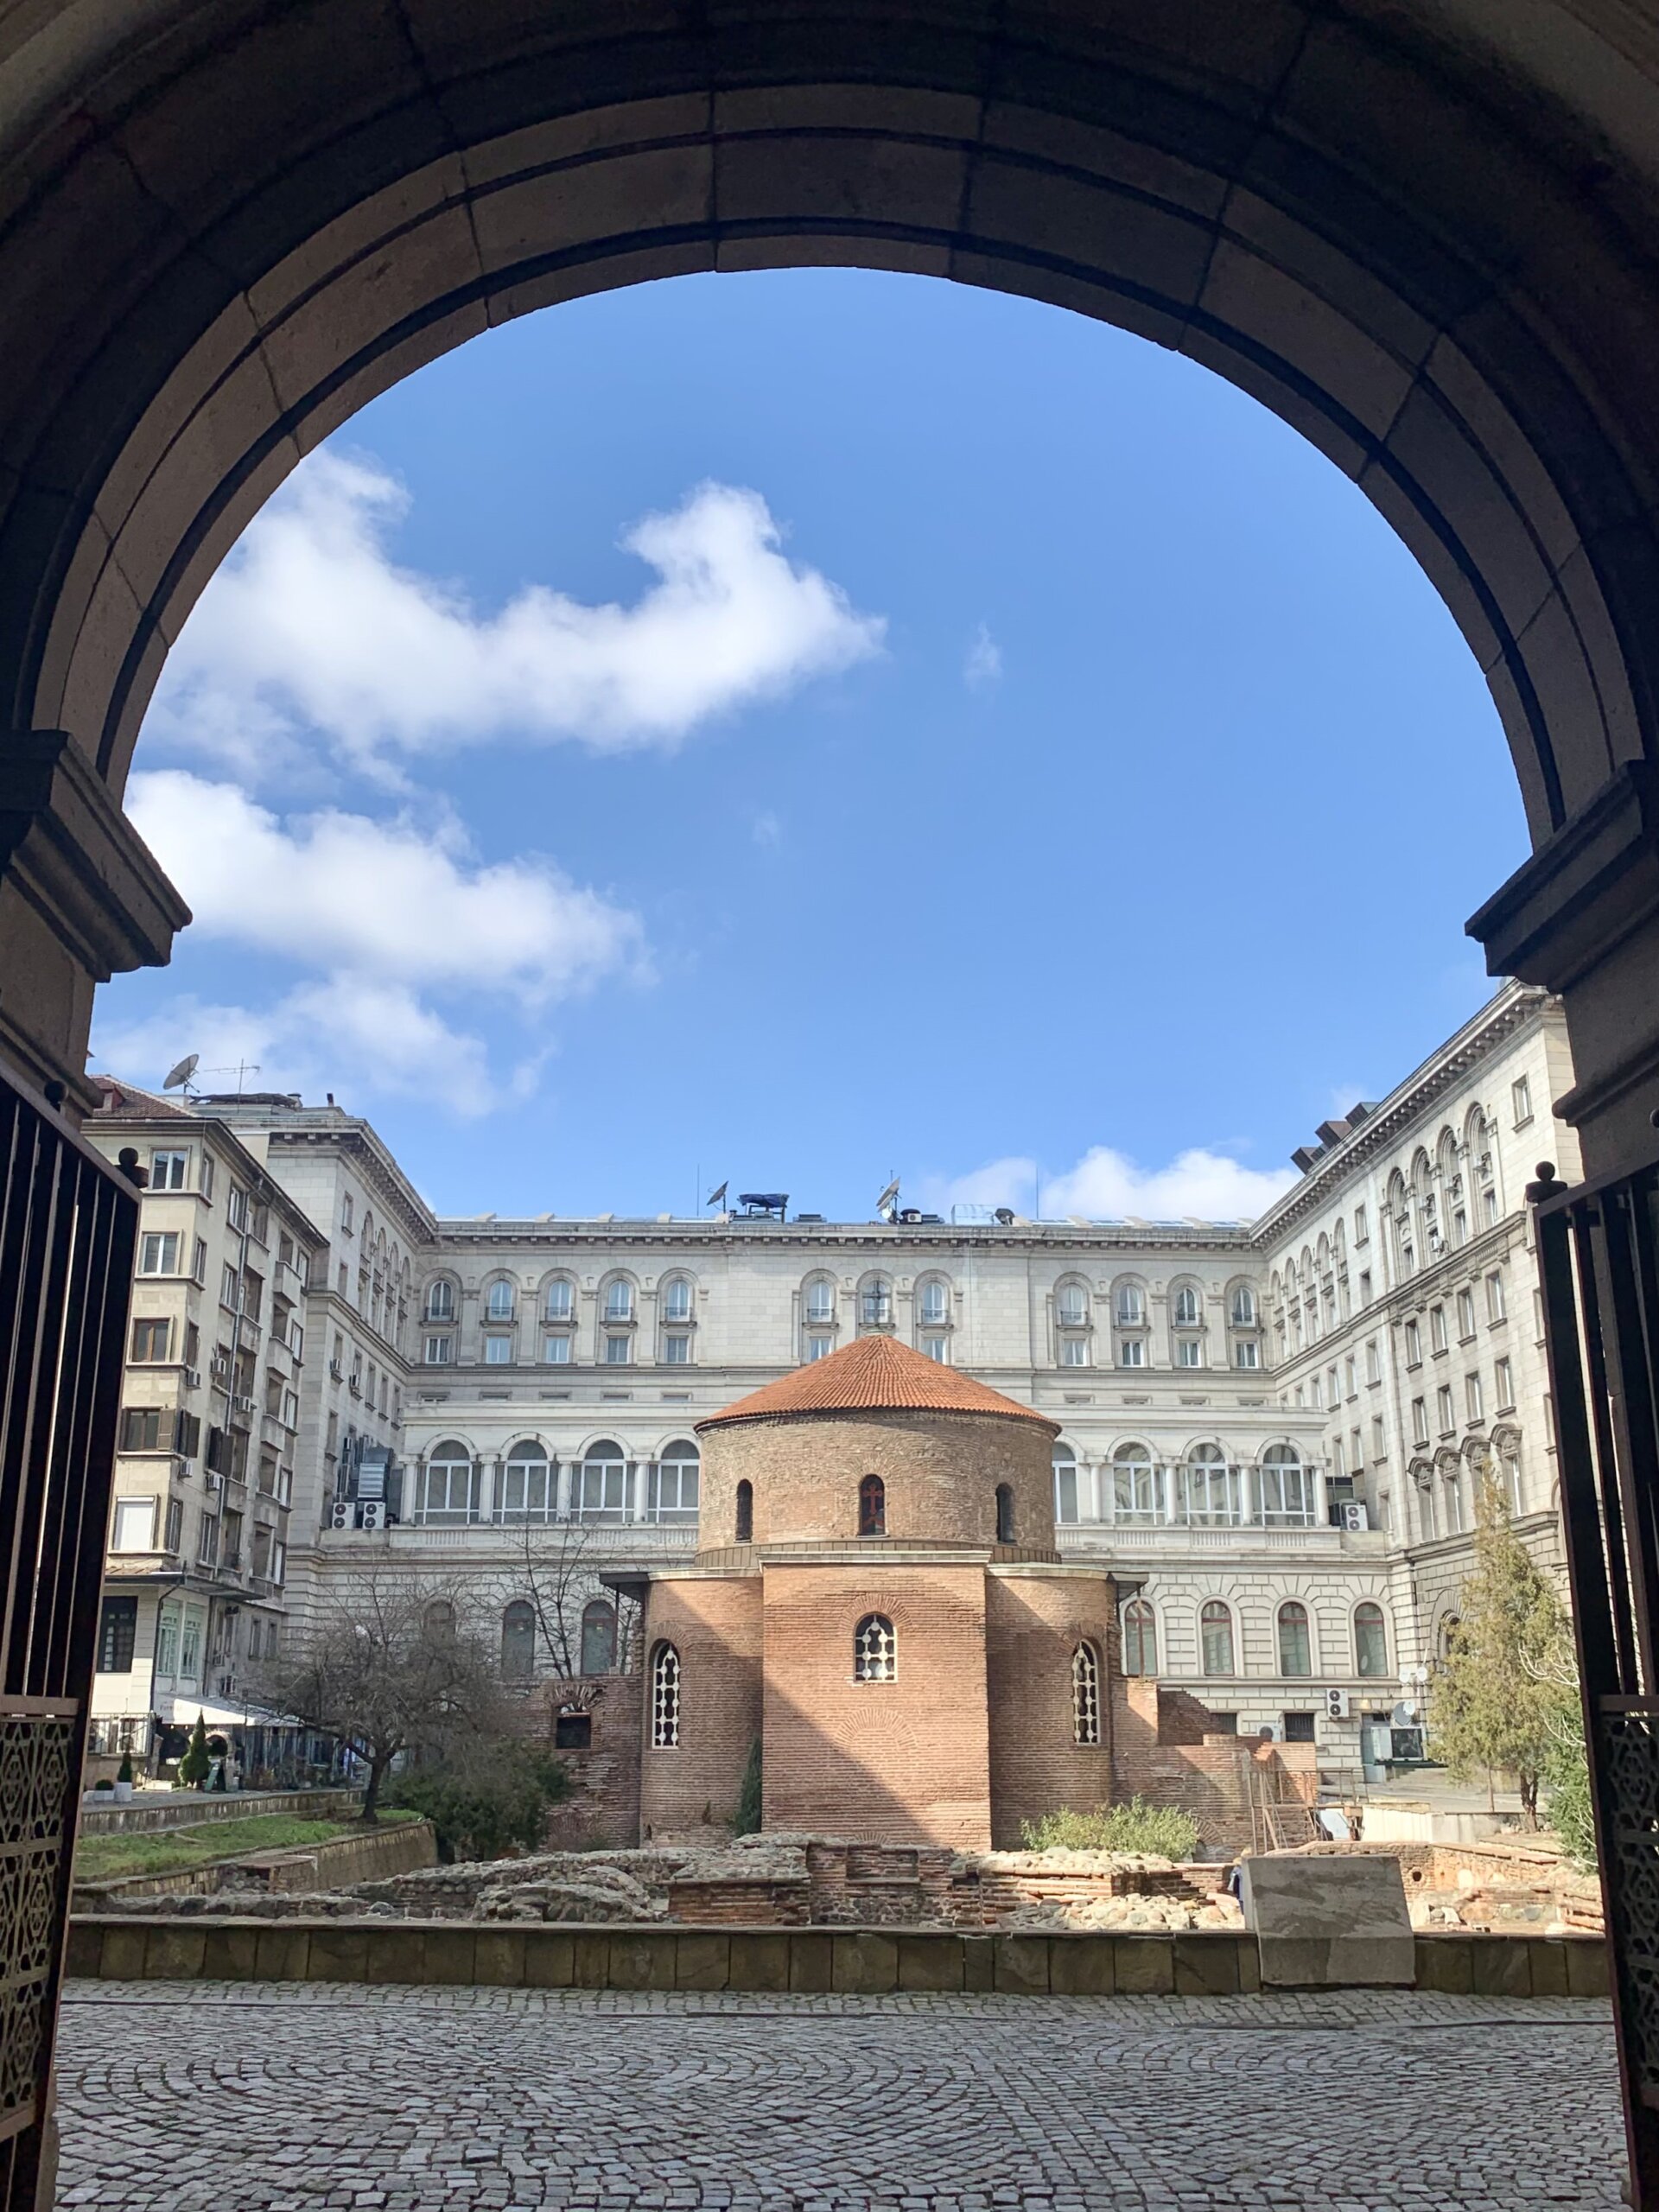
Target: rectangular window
{"points": [[1189, 1353], [1338, 1459], [1365, 1287], [1299, 1727], [1316, 1389], [236, 1206], [677, 1351], [1357, 1458], [173, 1530], [1414, 1344], [151, 1340], [1362, 1229], [619, 1350], [134, 1526], [1489, 1204], [1504, 1385], [1351, 1375], [1373, 1362], [1497, 1310], [1460, 1226], [1465, 1315], [118, 1633], [819, 1347], [1131, 1353], [346, 1213], [1437, 1336], [207, 1176], [1444, 1406], [1420, 1421], [167, 1170], [230, 1288], [141, 1428], [498, 1351], [158, 1252], [1333, 1387], [1521, 1099], [934, 1348], [1474, 1398], [208, 1541], [1074, 1352], [1247, 1353], [440, 1350], [1379, 1438], [190, 1645], [555, 1351]]}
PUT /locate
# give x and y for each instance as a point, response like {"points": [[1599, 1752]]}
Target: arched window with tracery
{"points": [[1004, 1513], [1295, 1641], [875, 1650], [1370, 1640], [1135, 1487], [1085, 1696], [664, 1698], [601, 1482], [1212, 1487], [447, 1494], [872, 1506], [1139, 1638], [598, 1637], [743, 1532], [1215, 1638], [1287, 1488], [519, 1641]]}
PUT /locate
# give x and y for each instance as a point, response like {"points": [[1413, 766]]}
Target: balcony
{"points": [[649, 1541], [241, 1412], [273, 1430], [1149, 1543], [247, 1332]]}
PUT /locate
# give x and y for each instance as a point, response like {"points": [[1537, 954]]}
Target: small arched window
{"points": [[501, 1300], [744, 1531], [1244, 1306], [441, 1301], [1136, 1485], [1072, 1305], [875, 1650], [519, 1641], [1139, 1638], [872, 1506], [618, 1300], [1085, 1696], [665, 1699], [598, 1637], [676, 1299], [1004, 1513], [1287, 1488], [1215, 1638], [1212, 1487], [820, 1306], [1188, 1309], [935, 1303], [1370, 1640], [561, 1299], [875, 1304], [1295, 1645]]}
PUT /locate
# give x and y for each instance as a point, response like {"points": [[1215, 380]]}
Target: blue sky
{"points": [[803, 726]]}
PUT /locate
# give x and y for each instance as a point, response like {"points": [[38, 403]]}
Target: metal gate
{"points": [[1598, 1254], [67, 1223]]}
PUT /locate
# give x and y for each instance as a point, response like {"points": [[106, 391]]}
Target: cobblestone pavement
{"points": [[231, 2097]]}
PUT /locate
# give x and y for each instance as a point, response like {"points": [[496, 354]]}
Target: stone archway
{"points": [[226, 228]]}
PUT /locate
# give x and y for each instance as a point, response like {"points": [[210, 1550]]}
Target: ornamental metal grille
{"points": [[875, 1650], [665, 1698], [1085, 1696]]}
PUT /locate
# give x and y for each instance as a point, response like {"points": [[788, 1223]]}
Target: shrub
{"points": [[103, 1782], [485, 1807], [748, 1798], [125, 1773], [197, 1763], [1158, 1830]]}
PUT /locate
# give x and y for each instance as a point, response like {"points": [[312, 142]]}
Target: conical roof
{"points": [[873, 1373]]}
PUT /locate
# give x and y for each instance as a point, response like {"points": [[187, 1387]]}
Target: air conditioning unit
{"points": [[243, 1405], [340, 1515], [374, 1515], [215, 1482], [192, 1378], [1336, 1704], [1356, 1519], [335, 1370]]}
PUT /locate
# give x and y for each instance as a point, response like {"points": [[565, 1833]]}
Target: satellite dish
{"points": [[183, 1074]]}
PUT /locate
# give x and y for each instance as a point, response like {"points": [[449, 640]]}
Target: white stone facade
{"points": [[1230, 1396]]}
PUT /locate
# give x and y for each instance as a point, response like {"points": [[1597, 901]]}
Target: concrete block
{"points": [[1503, 1965], [591, 1962], [930, 1962], [1328, 1922], [82, 1959], [340, 1952], [1546, 1956], [644, 1958], [498, 1957], [811, 1963], [449, 1951], [978, 1963], [230, 1951], [550, 1958], [1207, 1964], [759, 1959], [121, 1955], [282, 1952], [703, 1959], [1143, 1965], [1586, 1966], [1445, 1963], [172, 1952], [864, 1963], [1081, 1966], [1021, 1966]]}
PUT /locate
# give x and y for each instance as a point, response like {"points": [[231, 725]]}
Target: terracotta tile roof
{"points": [[875, 1371]]}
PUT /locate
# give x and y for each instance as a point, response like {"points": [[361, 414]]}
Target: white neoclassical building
{"points": [[1276, 1426]]}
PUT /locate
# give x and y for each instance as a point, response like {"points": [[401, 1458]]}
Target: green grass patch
{"points": [[169, 1851], [1158, 1830]]}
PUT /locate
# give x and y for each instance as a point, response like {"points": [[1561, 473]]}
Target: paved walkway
{"points": [[222, 2097]]}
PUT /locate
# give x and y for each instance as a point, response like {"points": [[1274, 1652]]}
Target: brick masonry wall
{"points": [[1156, 1757], [905, 1761], [941, 1472], [714, 1622], [1034, 1624], [603, 1808]]}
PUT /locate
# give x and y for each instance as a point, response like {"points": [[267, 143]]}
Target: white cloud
{"points": [[311, 626], [1107, 1186], [388, 918], [983, 665]]}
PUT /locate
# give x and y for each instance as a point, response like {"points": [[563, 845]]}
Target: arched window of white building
{"points": [[601, 1482], [519, 1641], [1295, 1639], [598, 1637], [1287, 1486], [674, 1483], [1212, 1487], [447, 1494], [1140, 1637], [875, 1303], [440, 1299], [1136, 1485], [527, 1484], [1215, 1638], [1370, 1640], [501, 1300]]}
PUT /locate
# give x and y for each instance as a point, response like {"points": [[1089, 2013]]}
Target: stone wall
{"points": [[905, 1761], [714, 1622], [375, 1855], [189, 1809], [602, 1810], [1214, 1778], [1034, 1624]]}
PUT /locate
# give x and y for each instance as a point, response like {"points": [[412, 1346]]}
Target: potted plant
{"points": [[123, 1780]]}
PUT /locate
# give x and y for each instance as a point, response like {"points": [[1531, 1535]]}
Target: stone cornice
{"points": [[371, 1160]]}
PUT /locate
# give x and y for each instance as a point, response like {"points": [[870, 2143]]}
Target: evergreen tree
{"points": [[748, 1798], [1497, 1700], [197, 1763]]}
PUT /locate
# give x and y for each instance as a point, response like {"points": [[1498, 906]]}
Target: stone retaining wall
{"points": [[859, 1961], [335, 1863], [189, 1809]]}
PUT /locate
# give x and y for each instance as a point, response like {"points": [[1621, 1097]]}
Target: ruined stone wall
{"points": [[602, 1810], [1034, 1624]]}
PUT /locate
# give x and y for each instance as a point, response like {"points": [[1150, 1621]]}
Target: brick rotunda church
{"points": [[878, 1603]]}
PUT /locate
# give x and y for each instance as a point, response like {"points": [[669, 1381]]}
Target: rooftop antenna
{"points": [[178, 1077], [887, 1204], [716, 1197], [241, 1072]]}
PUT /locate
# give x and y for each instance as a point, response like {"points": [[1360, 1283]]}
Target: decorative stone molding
{"points": [[1583, 891]]}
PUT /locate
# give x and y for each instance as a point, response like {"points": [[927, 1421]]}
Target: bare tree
{"points": [[554, 1562], [388, 1667]]}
